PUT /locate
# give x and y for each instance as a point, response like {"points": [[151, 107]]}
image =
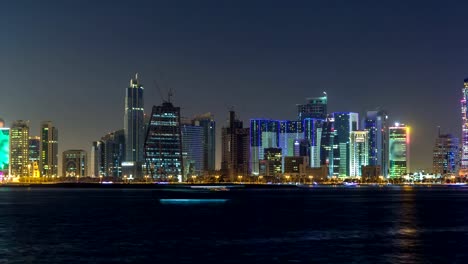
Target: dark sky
{"points": [[70, 61]]}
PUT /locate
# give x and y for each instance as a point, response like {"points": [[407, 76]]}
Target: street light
{"points": [[240, 178], [217, 178], [287, 178]]}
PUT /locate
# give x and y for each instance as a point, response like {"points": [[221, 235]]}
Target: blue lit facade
{"points": [[263, 134], [193, 150], [312, 137], [376, 123], [163, 145]]}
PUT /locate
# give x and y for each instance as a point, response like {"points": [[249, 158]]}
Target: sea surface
{"points": [[318, 225]]}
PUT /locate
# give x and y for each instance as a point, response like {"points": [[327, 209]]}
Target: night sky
{"points": [[70, 61]]}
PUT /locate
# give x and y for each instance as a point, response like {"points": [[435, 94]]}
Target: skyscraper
{"points": [[235, 148], [74, 163], [206, 121], [163, 146], [19, 148], [316, 107], [49, 150], [376, 123], [313, 135], [111, 149], [4, 151], [464, 143], [263, 134], [193, 149], [328, 146], [399, 146], [34, 149], [134, 126], [344, 123], [359, 152], [96, 161], [445, 155]]}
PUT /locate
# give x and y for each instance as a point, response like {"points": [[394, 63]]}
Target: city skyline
{"points": [[259, 60]]}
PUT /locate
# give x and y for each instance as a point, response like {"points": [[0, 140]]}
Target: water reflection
{"points": [[406, 234]]}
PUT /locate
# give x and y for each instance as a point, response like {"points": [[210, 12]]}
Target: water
{"points": [[322, 225]]}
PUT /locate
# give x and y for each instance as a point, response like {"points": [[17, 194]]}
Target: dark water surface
{"points": [[321, 225]]}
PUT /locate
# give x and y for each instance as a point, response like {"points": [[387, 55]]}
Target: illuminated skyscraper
{"points": [[192, 149], [316, 107], [445, 155], [19, 148], [263, 134], [359, 151], [163, 146], [74, 163], [344, 123], [112, 151], [134, 127], [464, 143], [49, 150], [206, 121], [34, 149], [399, 146], [313, 135], [4, 151], [235, 148], [376, 123]]}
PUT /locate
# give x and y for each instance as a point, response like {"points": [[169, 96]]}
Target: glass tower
{"points": [[376, 123], [19, 148], [192, 149], [134, 122], [445, 155], [344, 123], [359, 151], [206, 121], [163, 145], [49, 150], [399, 145], [464, 143]]}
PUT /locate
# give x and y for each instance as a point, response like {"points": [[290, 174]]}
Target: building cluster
{"points": [[163, 146]]}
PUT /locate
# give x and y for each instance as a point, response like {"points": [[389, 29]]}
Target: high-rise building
{"points": [[344, 123], [163, 146], [263, 134], [445, 155], [359, 152], [34, 149], [110, 152], [290, 135], [316, 107], [19, 148], [74, 163], [4, 151], [235, 148], [328, 146], [313, 135], [49, 150], [376, 123], [206, 121], [399, 146], [193, 149], [96, 160], [134, 127], [464, 139]]}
